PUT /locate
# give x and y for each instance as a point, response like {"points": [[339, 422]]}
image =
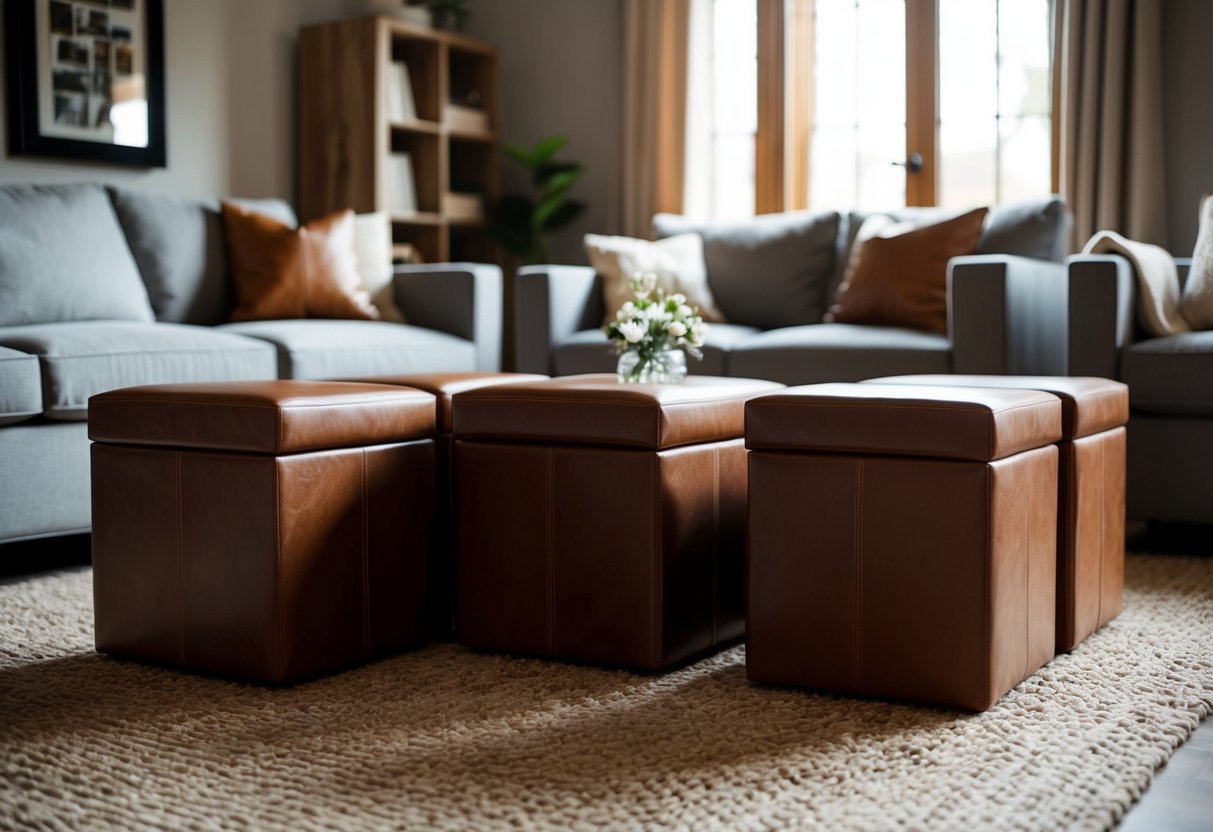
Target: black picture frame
{"points": [[27, 135]]}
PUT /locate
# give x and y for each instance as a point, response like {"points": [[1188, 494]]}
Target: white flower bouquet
{"points": [[651, 331]]}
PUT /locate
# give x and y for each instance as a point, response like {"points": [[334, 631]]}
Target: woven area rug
{"points": [[448, 738]]}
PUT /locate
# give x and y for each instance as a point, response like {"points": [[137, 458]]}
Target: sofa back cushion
{"points": [[63, 257], [179, 246], [770, 271]]}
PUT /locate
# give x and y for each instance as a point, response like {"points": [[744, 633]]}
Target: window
{"points": [[880, 103], [722, 108]]}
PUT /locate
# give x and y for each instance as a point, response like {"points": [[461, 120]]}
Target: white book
{"points": [[399, 91], [401, 190]]}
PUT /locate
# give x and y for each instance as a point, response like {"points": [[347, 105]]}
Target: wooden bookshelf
{"points": [[351, 140]]}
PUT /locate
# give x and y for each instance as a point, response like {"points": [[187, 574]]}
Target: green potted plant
{"points": [[521, 223]]}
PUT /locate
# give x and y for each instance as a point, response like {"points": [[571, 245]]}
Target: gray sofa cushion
{"points": [[82, 359], [590, 351], [63, 257], [20, 386], [179, 246], [309, 349], [770, 271], [838, 352], [1171, 375]]}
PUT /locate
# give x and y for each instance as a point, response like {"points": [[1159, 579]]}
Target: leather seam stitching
{"points": [[180, 567], [550, 554], [857, 577], [366, 563]]}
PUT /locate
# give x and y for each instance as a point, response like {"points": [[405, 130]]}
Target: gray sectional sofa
{"points": [[103, 287], [774, 278]]}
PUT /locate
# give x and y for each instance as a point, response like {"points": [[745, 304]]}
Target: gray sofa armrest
{"points": [[1007, 315], [462, 299], [1102, 296], [550, 304]]}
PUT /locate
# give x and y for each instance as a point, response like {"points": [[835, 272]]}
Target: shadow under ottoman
{"points": [[599, 521], [271, 530]]}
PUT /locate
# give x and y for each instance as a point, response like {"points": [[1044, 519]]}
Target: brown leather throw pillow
{"points": [[903, 280], [280, 272]]}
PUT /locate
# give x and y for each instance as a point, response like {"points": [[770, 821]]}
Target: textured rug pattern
{"points": [[445, 738]]}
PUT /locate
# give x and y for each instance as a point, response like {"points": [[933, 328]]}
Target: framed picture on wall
{"points": [[86, 79]]}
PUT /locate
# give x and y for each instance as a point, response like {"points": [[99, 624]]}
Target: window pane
{"points": [[882, 185], [832, 183], [858, 121], [968, 47], [834, 62], [734, 176], [968, 162], [735, 65], [1026, 143], [1023, 55], [881, 96]]}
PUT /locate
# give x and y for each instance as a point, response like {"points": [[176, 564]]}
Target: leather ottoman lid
{"points": [[598, 409], [445, 385], [1089, 404], [272, 417], [971, 423]]}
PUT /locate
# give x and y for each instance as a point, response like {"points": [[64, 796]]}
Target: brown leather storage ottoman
{"points": [[271, 530], [599, 521], [902, 540], [1090, 490], [442, 568]]}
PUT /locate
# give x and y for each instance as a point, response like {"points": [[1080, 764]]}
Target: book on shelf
{"points": [[462, 206], [401, 188], [399, 91], [466, 119]]}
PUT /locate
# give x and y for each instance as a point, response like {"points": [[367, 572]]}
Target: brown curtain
{"points": [[654, 114], [1110, 117]]}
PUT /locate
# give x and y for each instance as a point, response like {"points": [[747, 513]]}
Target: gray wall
{"points": [[562, 72], [1187, 116]]}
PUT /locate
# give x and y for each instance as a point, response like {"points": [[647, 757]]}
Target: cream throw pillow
{"points": [[373, 247], [1197, 304], [676, 261], [1157, 281]]}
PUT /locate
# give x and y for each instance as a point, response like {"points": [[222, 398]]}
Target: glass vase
{"points": [[660, 367]]}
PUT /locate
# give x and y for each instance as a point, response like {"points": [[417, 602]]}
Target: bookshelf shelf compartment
{"points": [[354, 137]]}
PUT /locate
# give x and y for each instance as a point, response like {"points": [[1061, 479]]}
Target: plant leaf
{"points": [[519, 154], [564, 213], [546, 149]]}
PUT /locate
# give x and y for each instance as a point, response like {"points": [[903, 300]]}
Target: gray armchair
{"points": [[1170, 431]]}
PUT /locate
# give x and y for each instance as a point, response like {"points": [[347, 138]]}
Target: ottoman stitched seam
{"points": [[1027, 588], [180, 568], [366, 567], [279, 651], [987, 564], [550, 555], [857, 577]]}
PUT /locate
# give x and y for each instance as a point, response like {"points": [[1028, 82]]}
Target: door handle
{"points": [[912, 164]]}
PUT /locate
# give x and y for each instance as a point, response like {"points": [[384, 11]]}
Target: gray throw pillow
{"points": [[768, 272], [1037, 228], [179, 246], [63, 257]]}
